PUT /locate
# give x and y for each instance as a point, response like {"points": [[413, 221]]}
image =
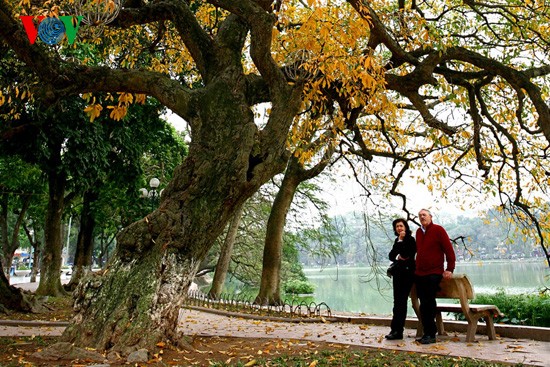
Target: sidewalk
{"points": [[198, 322], [528, 352]]}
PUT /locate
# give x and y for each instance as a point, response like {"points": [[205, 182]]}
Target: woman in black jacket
{"points": [[402, 254]]}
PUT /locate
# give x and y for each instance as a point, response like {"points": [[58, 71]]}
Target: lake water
{"points": [[359, 290]]}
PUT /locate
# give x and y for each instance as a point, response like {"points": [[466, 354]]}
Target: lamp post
{"points": [[152, 194]]}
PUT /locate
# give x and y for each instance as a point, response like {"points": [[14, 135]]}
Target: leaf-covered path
{"points": [[528, 352]]}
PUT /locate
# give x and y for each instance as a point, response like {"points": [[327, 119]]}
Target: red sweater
{"points": [[433, 248]]}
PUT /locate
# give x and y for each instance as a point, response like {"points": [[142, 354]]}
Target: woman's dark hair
{"points": [[407, 229]]}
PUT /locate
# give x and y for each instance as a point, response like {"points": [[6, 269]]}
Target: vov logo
{"points": [[51, 30]]}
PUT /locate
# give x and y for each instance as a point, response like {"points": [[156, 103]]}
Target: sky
{"points": [[346, 195]]}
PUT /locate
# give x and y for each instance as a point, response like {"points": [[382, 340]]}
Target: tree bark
{"points": [[12, 298], [222, 266], [85, 243], [50, 266]]}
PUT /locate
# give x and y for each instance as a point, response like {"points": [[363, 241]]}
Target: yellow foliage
{"points": [[140, 98], [93, 110], [125, 98], [118, 112]]}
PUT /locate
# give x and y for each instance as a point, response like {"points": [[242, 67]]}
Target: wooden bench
{"points": [[459, 287]]}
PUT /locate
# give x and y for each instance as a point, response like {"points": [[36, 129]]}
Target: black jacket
{"points": [[407, 249]]}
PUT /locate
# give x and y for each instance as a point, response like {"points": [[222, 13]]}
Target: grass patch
{"points": [[365, 359]]}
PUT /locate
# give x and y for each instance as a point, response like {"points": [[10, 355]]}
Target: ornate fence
{"points": [[244, 304]]}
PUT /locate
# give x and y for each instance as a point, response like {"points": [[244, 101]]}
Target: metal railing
{"points": [[245, 304]]}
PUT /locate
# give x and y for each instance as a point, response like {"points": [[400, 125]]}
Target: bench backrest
{"points": [[456, 286]]}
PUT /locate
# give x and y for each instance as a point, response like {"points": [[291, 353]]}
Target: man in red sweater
{"points": [[433, 249]]}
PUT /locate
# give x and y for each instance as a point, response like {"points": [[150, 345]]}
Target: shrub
{"points": [[298, 287], [519, 309]]}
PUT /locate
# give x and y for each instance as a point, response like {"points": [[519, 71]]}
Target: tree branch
{"points": [[194, 37]]}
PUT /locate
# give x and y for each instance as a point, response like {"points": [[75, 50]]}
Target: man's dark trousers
{"points": [[426, 289]]}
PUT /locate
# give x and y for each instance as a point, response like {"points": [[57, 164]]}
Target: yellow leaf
{"points": [[125, 98], [425, 35], [313, 364], [140, 98], [93, 111], [251, 363], [118, 112]]}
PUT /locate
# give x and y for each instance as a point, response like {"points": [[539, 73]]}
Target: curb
{"points": [[33, 323]]}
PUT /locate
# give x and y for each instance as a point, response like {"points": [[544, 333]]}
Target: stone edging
{"points": [[33, 323]]}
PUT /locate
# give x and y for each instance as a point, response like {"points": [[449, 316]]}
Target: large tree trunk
{"points": [[35, 245], [105, 242], [85, 243], [12, 298], [11, 243], [222, 266], [136, 302], [5, 260], [270, 284], [50, 266], [35, 261], [269, 293]]}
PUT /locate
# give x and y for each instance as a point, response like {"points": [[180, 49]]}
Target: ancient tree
{"points": [[229, 158]]}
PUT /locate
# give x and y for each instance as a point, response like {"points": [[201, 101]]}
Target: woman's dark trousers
{"points": [[402, 284], [427, 288]]}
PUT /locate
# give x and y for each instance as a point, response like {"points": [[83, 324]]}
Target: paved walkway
{"points": [[201, 323], [528, 352]]}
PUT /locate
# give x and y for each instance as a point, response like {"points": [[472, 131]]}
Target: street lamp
{"points": [[152, 194]]}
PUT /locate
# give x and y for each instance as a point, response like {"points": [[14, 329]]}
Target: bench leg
{"points": [[471, 333], [419, 329], [490, 325], [440, 325]]}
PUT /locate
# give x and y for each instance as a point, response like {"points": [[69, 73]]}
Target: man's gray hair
{"points": [[425, 210]]}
